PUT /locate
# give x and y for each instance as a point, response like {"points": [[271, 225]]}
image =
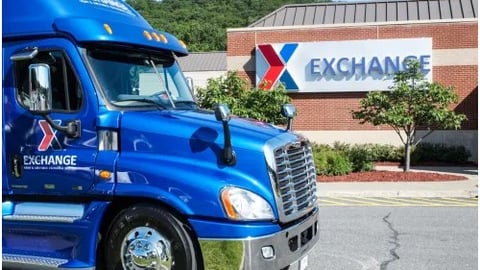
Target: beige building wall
{"points": [[200, 78]]}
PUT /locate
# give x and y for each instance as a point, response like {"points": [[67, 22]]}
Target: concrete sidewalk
{"points": [[462, 188]]}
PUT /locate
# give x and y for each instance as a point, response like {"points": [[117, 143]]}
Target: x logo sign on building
{"points": [[276, 70]]}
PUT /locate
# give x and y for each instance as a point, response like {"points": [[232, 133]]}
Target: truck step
{"points": [[42, 212], [11, 260], [41, 218]]}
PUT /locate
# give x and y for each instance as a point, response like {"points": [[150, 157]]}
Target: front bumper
{"points": [[289, 246]]}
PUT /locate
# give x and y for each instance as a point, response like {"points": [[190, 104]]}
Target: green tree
{"points": [[243, 100], [412, 103]]}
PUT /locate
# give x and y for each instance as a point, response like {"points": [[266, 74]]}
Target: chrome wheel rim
{"points": [[144, 248]]}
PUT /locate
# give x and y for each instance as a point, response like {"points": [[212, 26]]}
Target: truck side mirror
{"points": [[40, 88], [222, 114], [289, 111]]}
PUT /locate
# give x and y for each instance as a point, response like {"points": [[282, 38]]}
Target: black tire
{"points": [[158, 221]]}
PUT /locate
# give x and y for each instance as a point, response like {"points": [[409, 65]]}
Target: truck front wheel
{"points": [[146, 237]]}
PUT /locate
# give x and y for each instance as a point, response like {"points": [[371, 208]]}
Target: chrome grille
{"points": [[295, 179]]}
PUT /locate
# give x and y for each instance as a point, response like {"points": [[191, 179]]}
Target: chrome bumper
{"points": [[289, 246]]}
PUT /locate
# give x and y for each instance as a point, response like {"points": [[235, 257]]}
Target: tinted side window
{"points": [[67, 94]]}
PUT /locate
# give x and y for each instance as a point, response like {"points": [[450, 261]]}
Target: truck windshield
{"points": [[134, 79]]}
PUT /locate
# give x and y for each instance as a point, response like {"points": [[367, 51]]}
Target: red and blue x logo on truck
{"points": [[277, 70], [49, 136]]}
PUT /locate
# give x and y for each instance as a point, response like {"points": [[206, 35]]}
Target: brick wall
{"points": [[332, 111]]}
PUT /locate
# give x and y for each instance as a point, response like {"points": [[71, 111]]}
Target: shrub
{"points": [[243, 100], [361, 158], [385, 152], [373, 152], [341, 146], [457, 154], [425, 152], [343, 158], [317, 148], [330, 162]]}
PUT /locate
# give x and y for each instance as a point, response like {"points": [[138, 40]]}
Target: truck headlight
{"points": [[241, 204]]}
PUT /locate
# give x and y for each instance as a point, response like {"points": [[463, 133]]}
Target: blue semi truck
{"points": [[108, 163]]}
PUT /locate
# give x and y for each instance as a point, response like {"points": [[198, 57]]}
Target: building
{"points": [[329, 55], [202, 66]]}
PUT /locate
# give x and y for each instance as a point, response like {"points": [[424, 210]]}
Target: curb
{"points": [[459, 189], [401, 194]]}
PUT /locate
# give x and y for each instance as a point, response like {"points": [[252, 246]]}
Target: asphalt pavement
{"points": [[460, 188]]}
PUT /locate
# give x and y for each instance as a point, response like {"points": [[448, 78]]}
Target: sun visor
{"points": [[94, 30], [85, 21]]}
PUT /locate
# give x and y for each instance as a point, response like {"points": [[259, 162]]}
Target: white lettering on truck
{"points": [[49, 160]]}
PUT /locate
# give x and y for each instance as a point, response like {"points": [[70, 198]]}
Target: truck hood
{"points": [[177, 156], [169, 128]]}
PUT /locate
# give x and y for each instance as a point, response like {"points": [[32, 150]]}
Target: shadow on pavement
{"points": [[449, 169]]}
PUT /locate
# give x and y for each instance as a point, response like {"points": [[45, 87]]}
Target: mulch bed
{"points": [[391, 176]]}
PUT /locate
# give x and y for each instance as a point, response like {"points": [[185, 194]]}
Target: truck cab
{"points": [[108, 162]]}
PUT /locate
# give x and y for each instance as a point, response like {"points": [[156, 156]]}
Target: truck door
{"points": [[40, 158]]}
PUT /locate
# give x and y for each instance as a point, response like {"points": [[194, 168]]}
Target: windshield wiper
{"points": [[190, 103], [141, 99], [160, 78]]}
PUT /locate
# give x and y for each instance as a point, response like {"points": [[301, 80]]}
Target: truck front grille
{"points": [[295, 179]]}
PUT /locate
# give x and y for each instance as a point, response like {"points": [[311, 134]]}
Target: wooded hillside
{"points": [[202, 24]]}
